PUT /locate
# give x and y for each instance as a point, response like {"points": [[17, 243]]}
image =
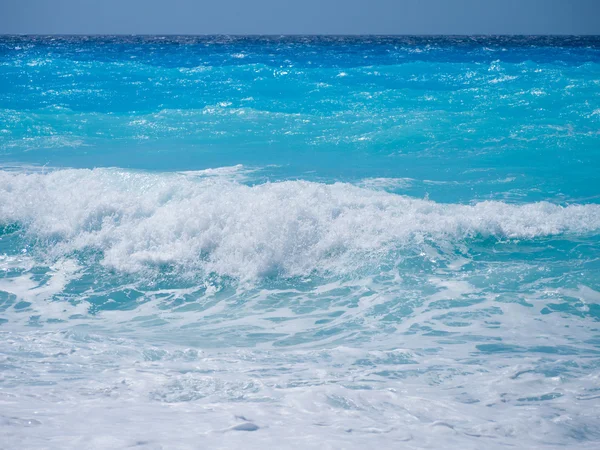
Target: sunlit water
{"points": [[299, 243]]}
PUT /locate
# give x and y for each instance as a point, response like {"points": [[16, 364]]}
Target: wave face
{"points": [[299, 242]]}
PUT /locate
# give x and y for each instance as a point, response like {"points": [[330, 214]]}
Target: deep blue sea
{"points": [[299, 242]]}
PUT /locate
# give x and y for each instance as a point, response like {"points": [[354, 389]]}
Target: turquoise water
{"points": [[301, 242]]}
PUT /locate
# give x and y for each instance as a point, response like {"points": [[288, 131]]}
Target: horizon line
{"points": [[306, 34]]}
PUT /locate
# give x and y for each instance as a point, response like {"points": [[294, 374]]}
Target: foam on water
{"points": [[356, 316], [291, 228]]}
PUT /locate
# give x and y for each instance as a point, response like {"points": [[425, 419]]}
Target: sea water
{"points": [[299, 242]]}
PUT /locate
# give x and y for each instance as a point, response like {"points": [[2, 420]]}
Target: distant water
{"points": [[324, 242]]}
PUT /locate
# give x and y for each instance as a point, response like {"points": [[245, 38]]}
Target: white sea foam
{"points": [[386, 183], [234, 173], [110, 392], [448, 358], [214, 224]]}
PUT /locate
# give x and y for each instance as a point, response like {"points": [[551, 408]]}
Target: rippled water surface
{"points": [[299, 242]]}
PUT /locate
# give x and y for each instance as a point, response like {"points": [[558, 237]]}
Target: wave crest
{"points": [[218, 225]]}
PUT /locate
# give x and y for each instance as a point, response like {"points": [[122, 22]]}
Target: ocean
{"points": [[299, 242]]}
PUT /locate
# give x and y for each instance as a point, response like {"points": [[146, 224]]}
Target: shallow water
{"points": [[299, 242]]}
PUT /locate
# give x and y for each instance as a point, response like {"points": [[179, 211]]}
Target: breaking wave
{"points": [[216, 224]]}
